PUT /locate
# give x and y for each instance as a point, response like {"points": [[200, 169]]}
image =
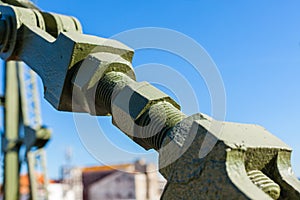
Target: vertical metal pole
{"points": [[38, 157], [31, 161], [43, 161], [11, 131]]}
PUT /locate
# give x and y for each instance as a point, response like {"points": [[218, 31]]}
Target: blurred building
{"points": [[137, 180], [128, 181], [57, 191]]}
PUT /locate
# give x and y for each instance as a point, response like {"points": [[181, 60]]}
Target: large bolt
{"points": [[140, 110], [133, 101], [265, 183], [86, 81], [153, 120]]}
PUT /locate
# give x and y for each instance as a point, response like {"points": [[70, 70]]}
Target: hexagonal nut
{"points": [[180, 149], [94, 67], [88, 44], [90, 71], [134, 100], [69, 50]]}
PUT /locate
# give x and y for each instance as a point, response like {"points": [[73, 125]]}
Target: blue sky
{"points": [[255, 45]]}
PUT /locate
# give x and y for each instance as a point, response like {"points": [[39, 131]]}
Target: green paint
{"points": [[199, 160], [11, 132]]}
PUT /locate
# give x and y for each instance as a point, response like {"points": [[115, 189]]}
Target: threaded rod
{"points": [[152, 126]]}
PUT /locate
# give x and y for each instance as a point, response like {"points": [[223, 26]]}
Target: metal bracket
{"points": [[29, 42], [235, 160], [9, 145], [241, 161], [36, 138]]}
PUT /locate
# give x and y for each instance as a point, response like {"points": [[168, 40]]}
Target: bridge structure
{"points": [[85, 73]]}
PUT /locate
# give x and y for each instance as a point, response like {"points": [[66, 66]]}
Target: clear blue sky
{"points": [[255, 45]]}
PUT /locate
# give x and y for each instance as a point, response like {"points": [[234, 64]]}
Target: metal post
{"points": [[11, 131]]}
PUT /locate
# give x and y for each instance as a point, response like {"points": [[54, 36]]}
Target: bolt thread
{"points": [[154, 124], [110, 85], [264, 183]]}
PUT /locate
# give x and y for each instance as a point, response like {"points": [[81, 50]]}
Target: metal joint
{"points": [[9, 145]]}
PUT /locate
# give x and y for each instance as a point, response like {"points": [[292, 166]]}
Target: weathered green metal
{"points": [[222, 173], [21, 3], [68, 49], [91, 70], [35, 135], [37, 158], [21, 107], [90, 74], [10, 142]]}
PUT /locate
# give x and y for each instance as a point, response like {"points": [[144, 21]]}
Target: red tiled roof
{"points": [[105, 168]]}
